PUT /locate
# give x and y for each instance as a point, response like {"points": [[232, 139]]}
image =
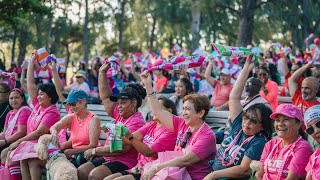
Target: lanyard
{"points": [[178, 147], [234, 155], [288, 154]]}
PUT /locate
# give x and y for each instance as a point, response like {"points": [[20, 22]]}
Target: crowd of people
{"points": [[264, 138]]}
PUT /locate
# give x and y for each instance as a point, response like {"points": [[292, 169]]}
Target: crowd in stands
{"points": [[167, 136]]}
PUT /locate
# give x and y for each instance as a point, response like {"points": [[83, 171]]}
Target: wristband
{"points": [[151, 94]]}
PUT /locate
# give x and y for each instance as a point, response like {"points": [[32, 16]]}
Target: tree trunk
{"points": [[14, 40], [22, 46], [246, 22], [305, 19], [68, 55], [38, 32], [195, 26], [120, 24], [49, 34], [152, 37], [86, 35]]}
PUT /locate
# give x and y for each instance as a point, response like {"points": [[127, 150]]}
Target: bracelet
{"points": [[102, 73], [152, 94], [130, 138]]}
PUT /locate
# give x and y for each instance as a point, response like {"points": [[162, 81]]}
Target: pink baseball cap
{"points": [[288, 110], [316, 41]]}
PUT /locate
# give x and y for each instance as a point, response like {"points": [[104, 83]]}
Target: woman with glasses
{"points": [[269, 89], [312, 121], [45, 114], [195, 143], [123, 107], [84, 128], [149, 140], [250, 130], [285, 157]]}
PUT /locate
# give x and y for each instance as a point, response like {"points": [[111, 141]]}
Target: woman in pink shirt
{"points": [[269, 89], [44, 114], [83, 124], [15, 127], [149, 140], [312, 121], [196, 143], [285, 157], [124, 109]]}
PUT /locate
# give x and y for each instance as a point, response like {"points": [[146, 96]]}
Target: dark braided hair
{"points": [[137, 90]]}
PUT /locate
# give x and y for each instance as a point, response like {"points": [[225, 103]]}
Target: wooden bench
{"points": [[215, 119], [284, 99]]}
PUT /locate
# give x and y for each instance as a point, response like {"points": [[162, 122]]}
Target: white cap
{"points": [[225, 71], [311, 114]]}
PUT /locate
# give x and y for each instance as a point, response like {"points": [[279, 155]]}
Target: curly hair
{"points": [[137, 90]]}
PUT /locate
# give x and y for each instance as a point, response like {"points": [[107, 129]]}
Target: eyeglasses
{"points": [[310, 130], [185, 140], [250, 84], [252, 121], [72, 104]]}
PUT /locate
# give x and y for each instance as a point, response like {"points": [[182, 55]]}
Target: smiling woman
{"points": [[123, 107], [285, 157], [196, 143]]}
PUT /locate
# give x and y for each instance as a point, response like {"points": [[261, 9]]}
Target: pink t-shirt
{"points": [[133, 123], [21, 120], [161, 82], [80, 131], [313, 166], [295, 163], [159, 138], [46, 116], [202, 143], [221, 93]]}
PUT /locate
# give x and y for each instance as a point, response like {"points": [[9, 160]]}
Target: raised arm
{"points": [[135, 73], [31, 85], [294, 79], [162, 115], [285, 65], [105, 90], [235, 96], [57, 80], [123, 68], [208, 71]]}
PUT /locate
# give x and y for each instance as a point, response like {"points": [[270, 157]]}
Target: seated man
{"points": [[252, 89], [306, 97], [222, 88], [80, 83]]}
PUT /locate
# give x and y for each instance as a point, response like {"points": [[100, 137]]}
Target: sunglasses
{"points": [[310, 130], [73, 104], [252, 121], [185, 140], [250, 84]]}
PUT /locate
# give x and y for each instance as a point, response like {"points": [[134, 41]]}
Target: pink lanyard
{"points": [[289, 153], [178, 147], [237, 151], [313, 162]]}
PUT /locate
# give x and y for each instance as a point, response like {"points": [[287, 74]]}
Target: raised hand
{"points": [[104, 68], [146, 78], [52, 65]]}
